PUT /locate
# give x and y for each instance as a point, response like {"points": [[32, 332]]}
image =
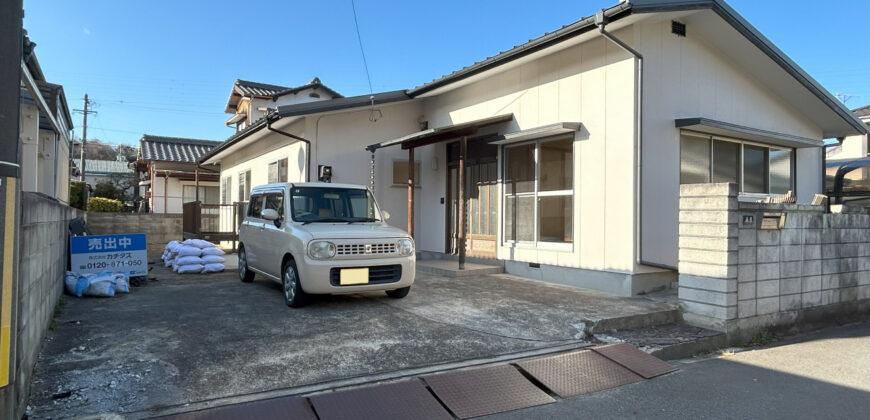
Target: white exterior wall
{"points": [[29, 139], [175, 200], [685, 77], [591, 83], [340, 140], [851, 147]]}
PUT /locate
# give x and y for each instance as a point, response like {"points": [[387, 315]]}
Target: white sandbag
{"points": [[212, 268], [212, 259], [168, 262], [188, 260], [122, 283], [213, 251], [70, 280], [199, 243], [102, 285], [192, 268], [188, 250], [171, 245]]}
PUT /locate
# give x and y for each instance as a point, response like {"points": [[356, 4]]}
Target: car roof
{"points": [[280, 185]]}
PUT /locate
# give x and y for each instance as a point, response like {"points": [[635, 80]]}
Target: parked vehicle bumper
{"points": [[316, 274]]}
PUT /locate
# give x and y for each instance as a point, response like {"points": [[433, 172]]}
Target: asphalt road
{"points": [[825, 374]]}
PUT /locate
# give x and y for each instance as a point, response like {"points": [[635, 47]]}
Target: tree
{"points": [[97, 150], [107, 189]]}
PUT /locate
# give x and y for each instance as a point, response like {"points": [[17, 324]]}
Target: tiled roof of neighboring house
{"points": [[173, 149], [103, 167], [238, 136], [313, 84], [247, 88], [862, 112]]}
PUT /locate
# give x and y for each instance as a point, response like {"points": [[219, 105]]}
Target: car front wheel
{"points": [[294, 297], [399, 293], [245, 275]]}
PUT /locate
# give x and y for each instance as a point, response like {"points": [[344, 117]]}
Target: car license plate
{"points": [[351, 276]]}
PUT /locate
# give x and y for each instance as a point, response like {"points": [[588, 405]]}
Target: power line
{"points": [[359, 38]]}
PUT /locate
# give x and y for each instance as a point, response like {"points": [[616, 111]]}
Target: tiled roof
{"points": [[103, 167], [173, 149], [313, 84], [864, 111], [248, 88]]}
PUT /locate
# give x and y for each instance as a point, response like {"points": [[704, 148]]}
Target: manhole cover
{"points": [[277, 408]]}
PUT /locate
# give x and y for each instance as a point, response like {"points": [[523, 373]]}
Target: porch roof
{"points": [[439, 134]]}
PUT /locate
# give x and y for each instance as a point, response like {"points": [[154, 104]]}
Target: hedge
{"points": [[99, 204], [78, 194]]}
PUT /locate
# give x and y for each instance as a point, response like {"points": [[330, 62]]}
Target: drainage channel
{"points": [[460, 390]]}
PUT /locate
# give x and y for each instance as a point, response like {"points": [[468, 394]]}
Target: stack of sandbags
{"points": [[193, 256], [104, 284]]}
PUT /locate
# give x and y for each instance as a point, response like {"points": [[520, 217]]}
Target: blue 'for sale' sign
{"points": [[126, 253]]}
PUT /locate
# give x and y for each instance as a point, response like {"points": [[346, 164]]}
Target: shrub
{"points": [[107, 190], [104, 205], [78, 194]]}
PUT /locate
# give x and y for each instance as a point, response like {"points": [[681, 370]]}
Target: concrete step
{"points": [[668, 341], [447, 268]]}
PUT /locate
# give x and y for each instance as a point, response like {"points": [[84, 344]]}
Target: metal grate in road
{"points": [[398, 400], [483, 391], [578, 373], [277, 408], [635, 360]]}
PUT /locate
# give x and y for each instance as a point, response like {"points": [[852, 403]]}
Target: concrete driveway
{"points": [[204, 339]]}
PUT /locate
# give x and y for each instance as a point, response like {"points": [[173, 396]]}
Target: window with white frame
{"points": [[278, 171], [245, 185], [226, 191], [539, 191], [755, 168]]}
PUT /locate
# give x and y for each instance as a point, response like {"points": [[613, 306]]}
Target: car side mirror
{"points": [[386, 215], [270, 214]]}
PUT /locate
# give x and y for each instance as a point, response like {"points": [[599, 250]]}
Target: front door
{"points": [[481, 199]]}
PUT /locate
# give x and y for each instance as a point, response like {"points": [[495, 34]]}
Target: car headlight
{"points": [[321, 250], [405, 247]]}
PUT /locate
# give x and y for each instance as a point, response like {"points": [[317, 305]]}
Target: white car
{"points": [[335, 241]]}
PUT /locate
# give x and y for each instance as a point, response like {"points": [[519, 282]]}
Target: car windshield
{"points": [[331, 205]]}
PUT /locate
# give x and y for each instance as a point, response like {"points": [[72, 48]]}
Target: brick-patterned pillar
{"points": [[708, 254]]}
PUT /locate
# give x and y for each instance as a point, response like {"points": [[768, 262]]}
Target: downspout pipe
{"points": [[271, 118], [601, 22]]}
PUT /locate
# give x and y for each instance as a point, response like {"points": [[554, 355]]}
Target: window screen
{"points": [[754, 169], [726, 161], [400, 172], [780, 171]]}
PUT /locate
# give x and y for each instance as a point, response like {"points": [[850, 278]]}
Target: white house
{"points": [[574, 144], [170, 176], [44, 132], [855, 146]]}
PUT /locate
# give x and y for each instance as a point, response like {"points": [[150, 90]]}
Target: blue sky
{"points": [[166, 67]]}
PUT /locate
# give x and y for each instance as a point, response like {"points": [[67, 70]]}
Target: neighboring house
{"points": [[97, 171], [574, 149], [250, 101], [855, 146], [168, 171], [44, 132]]}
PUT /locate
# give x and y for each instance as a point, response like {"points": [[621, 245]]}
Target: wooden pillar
{"points": [[411, 191], [461, 222], [196, 181]]}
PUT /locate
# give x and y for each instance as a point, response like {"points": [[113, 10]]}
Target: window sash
{"points": [[512, 198], [769, 184]]}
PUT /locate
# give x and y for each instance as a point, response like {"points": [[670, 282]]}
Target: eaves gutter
{"points": [[742, 26], [570, 31], [235, 138]]}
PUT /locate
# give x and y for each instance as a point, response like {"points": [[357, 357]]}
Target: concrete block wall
{"points": [[159, 228], [738, 277], [42, 259]]}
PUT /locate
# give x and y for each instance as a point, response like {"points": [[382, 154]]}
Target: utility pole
{"points": [[85, 113]]}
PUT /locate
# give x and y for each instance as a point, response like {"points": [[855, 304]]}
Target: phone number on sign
{"points": [[113, 264]]}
